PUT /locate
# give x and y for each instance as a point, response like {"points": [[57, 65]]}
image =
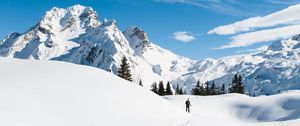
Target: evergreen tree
{"points": [[206, 89], [240, 85], [124, 70], [177, 89], [212, 89], [154, 88], [202, 91], [140, 83], [196, 89], [161, 89], [180, 91], [168, 89], [233, 84], [237, 85], [223, 89]]}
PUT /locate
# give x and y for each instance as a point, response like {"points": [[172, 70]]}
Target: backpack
{"points": [[187, 103]]}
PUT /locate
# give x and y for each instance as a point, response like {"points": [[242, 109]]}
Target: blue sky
{"points": [[163, 20]]}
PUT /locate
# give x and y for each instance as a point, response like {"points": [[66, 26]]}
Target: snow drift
{"points": [[51, 93], [241, 110]]}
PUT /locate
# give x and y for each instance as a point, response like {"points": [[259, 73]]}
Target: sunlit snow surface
{"points": [[241, 110], [50, 93], [53, 93]]}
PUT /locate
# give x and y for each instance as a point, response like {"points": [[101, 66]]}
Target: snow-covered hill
{"points": [[54, 93], [76, 35]]}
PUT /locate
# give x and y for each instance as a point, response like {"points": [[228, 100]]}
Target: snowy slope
{"points": [[51, 93], [241, 110]]}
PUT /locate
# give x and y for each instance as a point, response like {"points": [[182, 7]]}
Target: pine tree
{"points": [[206, 89], [234, 81], [177, 90], [124, 70], [154, 88], [196, 89], [237, 85], [223, 89], [240, 86], [168, 89], [181, 91], [202, 91], [140, 83], [161, 89], [212, 89]]}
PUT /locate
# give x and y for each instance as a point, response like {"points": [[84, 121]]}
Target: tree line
{"points": [[236, 86], [208, 88], [160, 90]]}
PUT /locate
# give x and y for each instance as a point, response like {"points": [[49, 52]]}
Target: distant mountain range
{"points": [[76, 35]]}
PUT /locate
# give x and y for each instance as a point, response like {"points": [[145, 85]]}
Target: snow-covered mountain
{"points": [[52, 35], [271, 71], [76, 35]]}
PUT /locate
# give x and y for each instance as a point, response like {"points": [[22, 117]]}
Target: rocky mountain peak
{"points": [[73, 18], [138, 39], [287, 44], [296, 37]]}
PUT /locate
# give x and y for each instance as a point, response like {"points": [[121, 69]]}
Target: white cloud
{"points": [[278, 25], [183, 36], [259, 49], [251, 38], [241, 8], [286, 16]]}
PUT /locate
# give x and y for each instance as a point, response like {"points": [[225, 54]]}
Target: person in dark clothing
{"points": [[187, 105]]}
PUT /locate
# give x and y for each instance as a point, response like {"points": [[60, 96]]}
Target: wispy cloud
{"points": [[222, 6], [250, 38], [183, 36], [278, 25], [259, 49], [241, 8], [286, 16]]}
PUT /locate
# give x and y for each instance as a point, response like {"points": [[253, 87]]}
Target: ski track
{"points": [[224, 110]]}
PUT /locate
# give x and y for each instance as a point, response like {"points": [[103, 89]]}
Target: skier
{"points": [[187, 105]]}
